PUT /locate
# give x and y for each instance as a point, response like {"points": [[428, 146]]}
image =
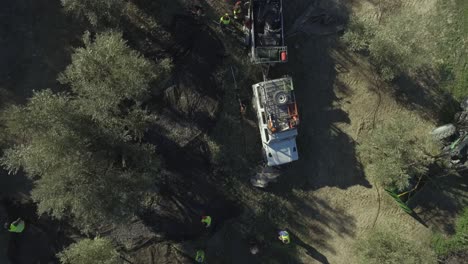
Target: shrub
{"points": [[398, 150], [87, 251]]}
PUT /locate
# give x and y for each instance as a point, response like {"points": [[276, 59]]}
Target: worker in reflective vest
{"points": [[200, 256], [224, 20], [206, 220], [16, 226], [284, 236], [237, 10]]}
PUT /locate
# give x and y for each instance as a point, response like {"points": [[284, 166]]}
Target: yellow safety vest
{"points": [[207, 220]]}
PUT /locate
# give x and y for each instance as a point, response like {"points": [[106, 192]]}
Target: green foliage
{"points": [[395, 43], [452, 46], [112, 81], [398, 150], [78, 170], [95, 11], [87, 251], [458, 242], [82, 150], [381, 246]]}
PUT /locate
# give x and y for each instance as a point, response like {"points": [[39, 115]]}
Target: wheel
{"points": [[444, 131], [281, 98]]}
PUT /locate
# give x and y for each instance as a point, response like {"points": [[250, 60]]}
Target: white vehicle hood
{"points": [[281, 152]]}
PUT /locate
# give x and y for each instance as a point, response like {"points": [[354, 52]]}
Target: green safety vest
{"points": [[225, 20], [200, 257], [17, 228], [284, 237], [207, 220]]}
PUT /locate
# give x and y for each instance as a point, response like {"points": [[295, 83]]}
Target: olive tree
{"points": [[383, 246], [77, 169], [84, 150], [95, 11], [86, 251], [398, 150], [111, 80], [396, 44]]}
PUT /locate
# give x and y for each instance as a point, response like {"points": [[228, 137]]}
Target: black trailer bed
{"points": [[267, 33]]}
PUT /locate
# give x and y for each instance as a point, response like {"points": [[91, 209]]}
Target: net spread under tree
{"points": [[83, 165]]}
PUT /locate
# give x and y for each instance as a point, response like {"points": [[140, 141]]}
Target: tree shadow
{"points": [[12, 184], [43, 236], [327, 155], [424, 95], [187, 191], [311, 221], [311, 251], [36, 42], [321, 221], [441, 200]]}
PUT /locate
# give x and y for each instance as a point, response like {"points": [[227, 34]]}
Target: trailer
{"points": [[267, 32]]}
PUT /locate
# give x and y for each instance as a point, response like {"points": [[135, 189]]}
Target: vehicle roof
{"points": [[279, 114]]}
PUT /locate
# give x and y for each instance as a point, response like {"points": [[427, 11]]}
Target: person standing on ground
{"points": [[224, 21], [200, 256], [16, 226], [237, 10], [206, 220], [284, 237]]}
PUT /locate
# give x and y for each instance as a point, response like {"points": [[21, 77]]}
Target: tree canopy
{"points": [[395, 43], [83, 152], [95, 11], [398, 150], [112, 81], [86, 251]]}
